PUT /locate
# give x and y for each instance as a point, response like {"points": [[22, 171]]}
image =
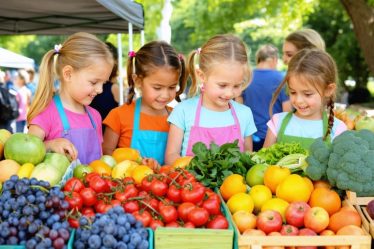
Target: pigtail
{"points": [[192, 73], [44, 91], [275, 95], [331, 118], [130, 81], [182, 78]]}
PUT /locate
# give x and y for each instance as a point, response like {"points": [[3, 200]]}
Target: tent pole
{"points": [[141, 37], [120, 67], [130, 37]]}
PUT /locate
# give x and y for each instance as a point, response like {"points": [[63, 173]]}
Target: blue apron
{"points": [[151, 144], [85, 140]]}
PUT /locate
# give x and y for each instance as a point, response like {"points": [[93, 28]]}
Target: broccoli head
{"points": [[319, 153]]}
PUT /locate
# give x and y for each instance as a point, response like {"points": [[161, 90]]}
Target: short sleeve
{"points": [[177, 117], [112, 120], [273, 124], [250, 127], [43, 120], [339, 127]]}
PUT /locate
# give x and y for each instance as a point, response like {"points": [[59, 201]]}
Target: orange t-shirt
{"points": [[121, 119]]}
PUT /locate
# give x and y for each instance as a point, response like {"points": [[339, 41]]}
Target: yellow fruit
{"points": [[121, 154], [8, 168], [182, 162], [139, 172], [294, 188], [260, 194], [274, 175], [100, 167], [240, 201], [124, 169], [25, 170], [276, 204], [310, 183], [233, 184]]}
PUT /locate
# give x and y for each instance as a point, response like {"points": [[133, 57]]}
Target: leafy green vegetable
{"points": [[276, 152], [211, 166]]}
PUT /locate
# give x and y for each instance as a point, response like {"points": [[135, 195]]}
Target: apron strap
{"points": [[91, 118], [233, 113], [61, 112], [136, 123], [284, 124], [198, 110]]}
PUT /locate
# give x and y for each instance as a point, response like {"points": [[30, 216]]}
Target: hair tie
{"points": [[57, 48], [132, 54], [198, 51], [181, 57]]}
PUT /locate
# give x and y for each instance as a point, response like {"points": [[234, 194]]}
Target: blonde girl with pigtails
{"points": [[158, 74], [219, 72], [63, 120], [311, 81]]}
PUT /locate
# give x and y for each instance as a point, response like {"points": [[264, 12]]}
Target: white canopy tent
{"points": [[59, 17], [13, 60]]}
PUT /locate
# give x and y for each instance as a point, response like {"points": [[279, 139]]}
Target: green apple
{"points": [[81, 171], [255, 175], [109, 160]]}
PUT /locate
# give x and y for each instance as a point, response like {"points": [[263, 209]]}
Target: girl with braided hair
{"points": [[158, 73], [311, 80]]}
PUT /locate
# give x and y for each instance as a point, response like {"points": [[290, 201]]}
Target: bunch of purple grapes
{"points": [[33, 214]]}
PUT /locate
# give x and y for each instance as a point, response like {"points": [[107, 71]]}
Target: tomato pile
{"points": [[171, 198]]}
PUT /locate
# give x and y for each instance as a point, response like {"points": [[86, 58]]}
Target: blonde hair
{"points": [[77, 51], [217, 49], [306, 38], [265, 52], [151, 56], [318, 69]]}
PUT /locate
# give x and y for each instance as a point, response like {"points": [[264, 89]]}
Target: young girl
{"points": [[65, 121], [23, 98], [311, 79], [158, 73], [213, 116]]}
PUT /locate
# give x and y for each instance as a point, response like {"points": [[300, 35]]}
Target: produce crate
{"points": [[360, 204], [195, 238], [69, 172], [150, 238]]}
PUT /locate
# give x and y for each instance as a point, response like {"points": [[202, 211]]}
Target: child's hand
{"points": [[152, 163], [62, 146]]}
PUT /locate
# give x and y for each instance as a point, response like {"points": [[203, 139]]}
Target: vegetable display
{"points": [[276, 152]]}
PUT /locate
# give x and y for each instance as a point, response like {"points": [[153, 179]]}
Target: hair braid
{"points": [[330, 105]]}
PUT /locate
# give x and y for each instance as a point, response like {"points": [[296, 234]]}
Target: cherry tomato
{"points": [[115, 202], [212, 206], [98, 184], [193, 192], [74, 200], [184, 209], [128, 180], [174, 193], [100, 207], [88, 212], [159, 188], [198, 216], [189, 224], [146, 183], [172, 224], [73, 184], [166, 169], [168, 214], [88, 196], [90, 176], [144, 216], [212, 195], [74, 223], [186, 178], [156, 223], [130, 206], [218, 222], [111, 184]]}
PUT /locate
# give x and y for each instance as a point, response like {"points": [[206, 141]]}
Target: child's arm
{"points": [[59, 145], [174, 145], [110, 141], [248, 144], [270, 139]]}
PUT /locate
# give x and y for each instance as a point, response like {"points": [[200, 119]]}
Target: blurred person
{"points": [[23, 98], [31, 84]]}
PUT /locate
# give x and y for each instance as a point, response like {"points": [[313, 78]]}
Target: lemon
{"points": [[260, 194], [240, 201], [276, 204], [25, 170], [124, 169], [139, 172]]}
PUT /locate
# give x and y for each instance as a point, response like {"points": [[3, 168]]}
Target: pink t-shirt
{"points": [[23, 98], [50, 121]]}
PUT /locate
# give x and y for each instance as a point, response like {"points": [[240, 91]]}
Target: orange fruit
{"points": [[244, 220], [139, 172], [240, 201], [321, 184], [232, 184], [182, 162], [100, 167], [294, 188], [350, 230], [8, 168], [325, 198], [343, 218], [274, 175], [121, 154]]}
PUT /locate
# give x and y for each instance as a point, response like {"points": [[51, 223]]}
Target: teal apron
{"points": [[85, 140], [303, 141], [151, 144]]}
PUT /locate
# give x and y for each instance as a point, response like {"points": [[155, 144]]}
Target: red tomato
{"points": [[100, 207], [88, 196], [90, 176], [88, 212], [144, 216], [159, 188], [189, 225], [73, 184], [212, 195], [184, 209], [186, 178], [131, 206], [172, 224], [156, 223], [74, 223], [166, 169], [128, 192], [128, 180], [198, 216], [174, 193], [218, 222], [193, 192], [146, 183], [212, 206], [98, 184], [112, 185], [168, 214], [115, 202], [74, 200]]}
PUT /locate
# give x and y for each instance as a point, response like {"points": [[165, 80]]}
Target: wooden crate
{"points": [[360, 204]]}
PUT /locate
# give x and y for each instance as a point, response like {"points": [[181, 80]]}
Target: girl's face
{"points": [[83, 85], [20, 82], [305, 98], [223, 83], [289, 50], [158, 89]]}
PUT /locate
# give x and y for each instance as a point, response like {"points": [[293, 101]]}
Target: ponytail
{"points": [[275, 95], [182, 78], [330, 106], [130, 71], [192, 73]]}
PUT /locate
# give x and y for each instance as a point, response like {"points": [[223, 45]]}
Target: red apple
{"points": [[269, 221], [295, 213], [306, 232], [317, 219], [289, 230]]}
